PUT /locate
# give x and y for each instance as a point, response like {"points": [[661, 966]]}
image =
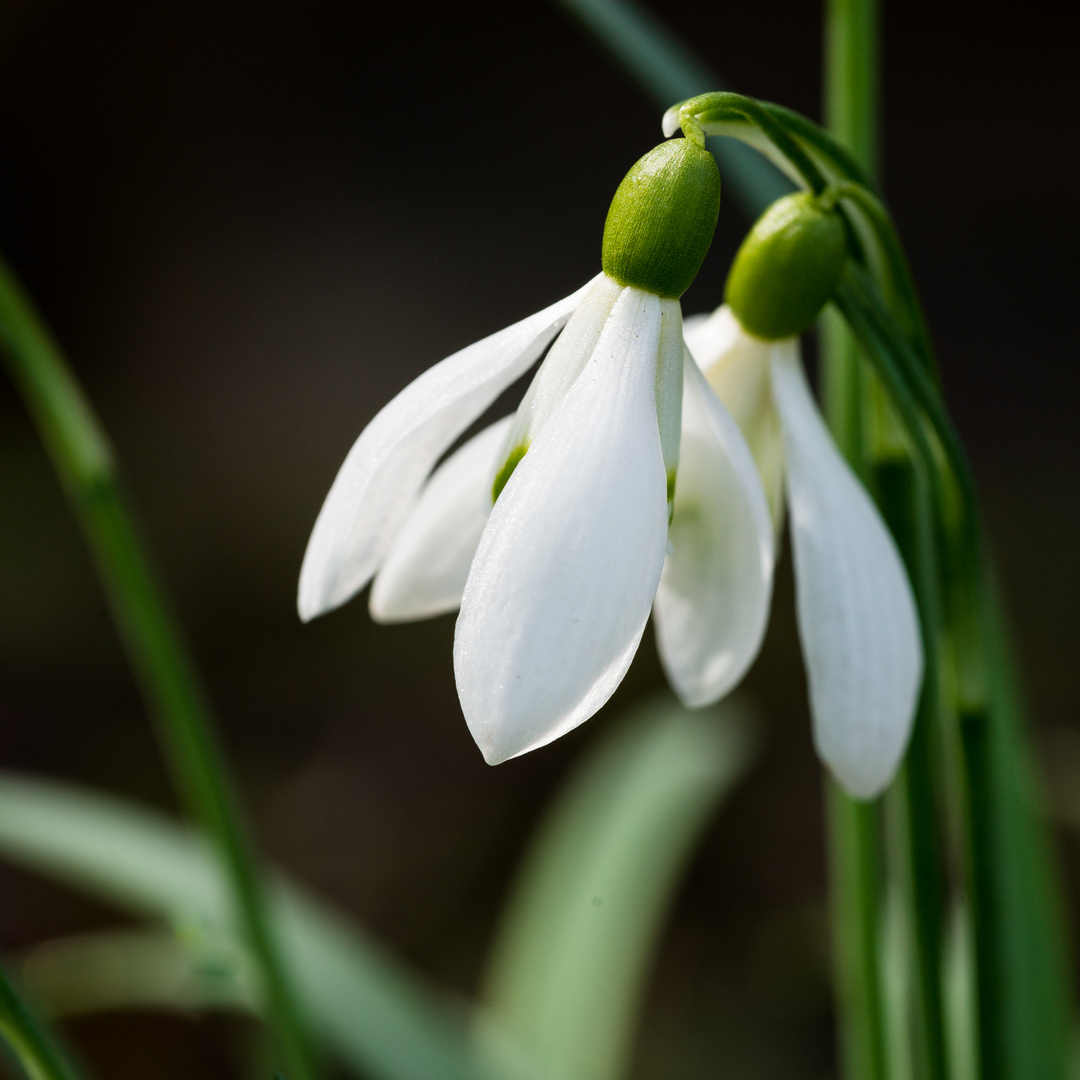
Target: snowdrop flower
{"points": [[573, 508], [856, 613]]}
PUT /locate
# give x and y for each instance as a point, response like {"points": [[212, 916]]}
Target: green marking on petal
{"points": [[670, 495], [507, 470]]}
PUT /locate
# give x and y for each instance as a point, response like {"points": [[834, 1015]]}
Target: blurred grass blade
{"points": [[84, 462], [573, 951], [377, 1017], [30, 1042], [126, 969], [668, 70]]}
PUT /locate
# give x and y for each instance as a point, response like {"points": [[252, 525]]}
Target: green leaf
{"points": [[375, 1015], [574, 948], [125, 969], [31, 1043]]}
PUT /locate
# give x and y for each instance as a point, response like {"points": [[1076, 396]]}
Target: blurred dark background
{"points": [[250, 224]]}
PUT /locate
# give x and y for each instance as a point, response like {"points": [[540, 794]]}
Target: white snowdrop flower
{"points": [[856, 613], [564, 528]]}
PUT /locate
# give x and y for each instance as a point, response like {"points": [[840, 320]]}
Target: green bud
{"points": [[662, 219], [787, 268]]}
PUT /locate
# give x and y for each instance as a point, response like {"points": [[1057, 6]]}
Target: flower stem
{"points": [[30, 1042], [856, 898], [850, 92], [84, 461], [851, 114]]}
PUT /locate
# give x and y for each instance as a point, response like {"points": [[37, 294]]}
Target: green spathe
{"points": [[662, 219], [787, 268]]}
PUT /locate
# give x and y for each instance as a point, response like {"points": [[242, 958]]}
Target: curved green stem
{"points": [[84, 461], [899, 285], [33, 1045], [834, 155], [722, 103]]}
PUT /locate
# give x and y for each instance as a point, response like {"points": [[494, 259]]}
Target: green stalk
{"points": [[32, 1044], [84, 461], [855, 843], [851, 114], [857, 903]]}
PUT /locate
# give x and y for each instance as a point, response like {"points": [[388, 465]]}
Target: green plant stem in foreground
{"points": [[29, 1040], [856, 900], [851, 108], [83, 459]]}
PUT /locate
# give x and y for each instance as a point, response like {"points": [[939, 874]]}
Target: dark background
{"points": [[249, 225]]}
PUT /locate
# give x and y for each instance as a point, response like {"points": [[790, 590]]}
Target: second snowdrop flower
{"points": [[560, 587], [856, 613]]}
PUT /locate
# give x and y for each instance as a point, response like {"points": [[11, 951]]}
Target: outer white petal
{"points": [[712, 606], [395, 452], [425, 569], [567, 568], [857, 617]]}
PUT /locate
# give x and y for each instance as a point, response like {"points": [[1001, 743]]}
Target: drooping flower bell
{"points": [[573, 516], [856, 613]]}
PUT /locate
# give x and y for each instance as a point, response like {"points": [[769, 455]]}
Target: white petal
{"points": [[561, 367], [737, 367], [708, 337], [567, 568], [712, 606], [387, 464], [425, 569], [857, 617], [670, 122]]}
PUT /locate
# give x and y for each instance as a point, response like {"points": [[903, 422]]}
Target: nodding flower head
{"points": [[550, 528], [856, 612]]}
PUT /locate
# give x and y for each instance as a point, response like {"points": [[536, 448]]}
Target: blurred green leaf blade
{"points": [[568, 969], [377, 1016], [139, 969], [671, 72], [30, 1042]]}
